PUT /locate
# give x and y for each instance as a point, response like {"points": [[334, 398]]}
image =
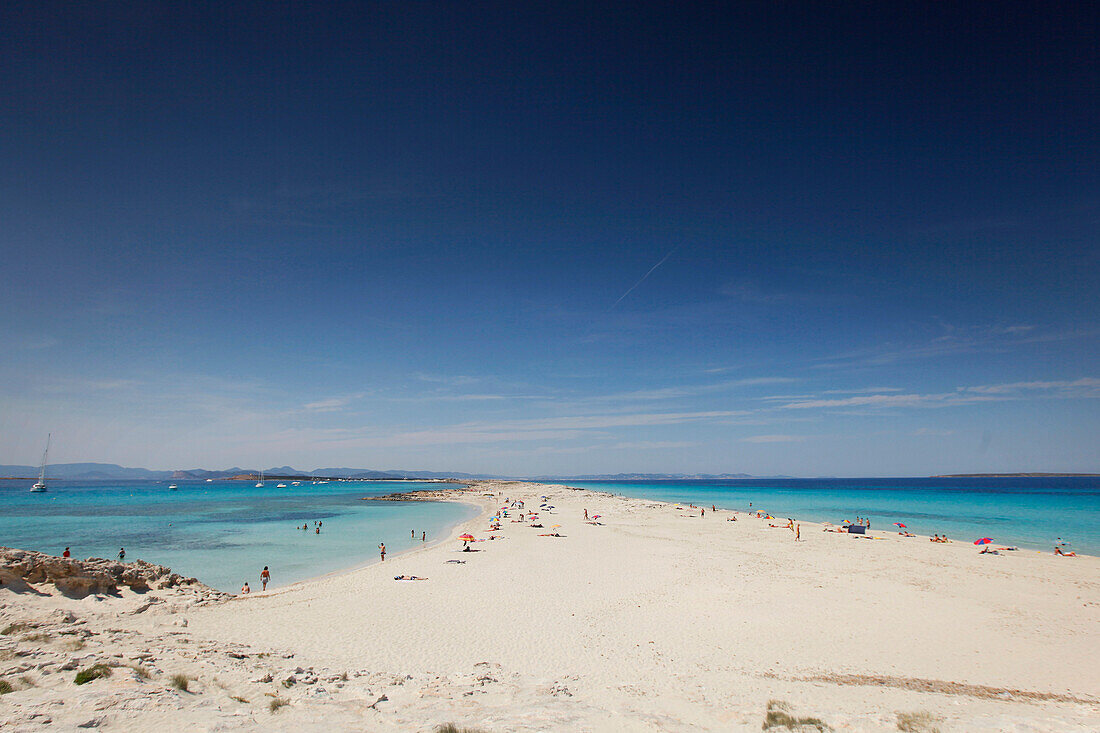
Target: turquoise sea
{"points": [[1027, 512], [224, 532]]}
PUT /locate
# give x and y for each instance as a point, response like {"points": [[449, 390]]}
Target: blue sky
{"points": [[551, 239]]}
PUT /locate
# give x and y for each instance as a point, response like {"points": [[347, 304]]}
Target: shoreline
{"points": [[653, 618], [370, 563], [416, 495]]}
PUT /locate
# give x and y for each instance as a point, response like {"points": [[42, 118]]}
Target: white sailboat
{"points": [[39, 487], [260, 483]]}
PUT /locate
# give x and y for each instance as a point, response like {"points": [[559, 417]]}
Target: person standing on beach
{"points": [[797, 532], [382, 550], [423, 536], [66, 553], [586, 515], [412, 534], [122, 554], [265, 576]]}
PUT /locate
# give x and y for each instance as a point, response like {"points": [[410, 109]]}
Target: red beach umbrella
{"points": [[899, 524], [466, 537], [983, 541]]}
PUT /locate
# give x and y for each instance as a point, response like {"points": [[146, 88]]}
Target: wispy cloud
{"points": [[1076, 385], [650, 445], [81, 386], [953, 340], [1086, 387], [773, 439], [864, 390], [551, 429], [454, 380], [692, 390], [946, 399]]}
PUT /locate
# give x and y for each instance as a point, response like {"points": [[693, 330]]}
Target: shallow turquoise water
{"points": [[223, 532], [1028, 512]]}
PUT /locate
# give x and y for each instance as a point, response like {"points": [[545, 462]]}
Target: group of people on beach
{"points": [[317, 524]]}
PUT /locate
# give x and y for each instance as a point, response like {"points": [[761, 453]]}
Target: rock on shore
{"points": [[20, 569]]}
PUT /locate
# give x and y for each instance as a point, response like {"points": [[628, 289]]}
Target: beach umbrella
{"points": [[554, 526], [466, 537], [596, 516], [899, 524], [983, 541]]}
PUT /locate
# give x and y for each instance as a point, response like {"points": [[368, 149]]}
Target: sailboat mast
{"points": [[45, 453]]}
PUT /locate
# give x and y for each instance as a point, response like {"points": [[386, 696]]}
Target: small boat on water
{"points": [[296, 483], [209, 480], [40, 486], [172, 487], [260, 483], [281, 486]]}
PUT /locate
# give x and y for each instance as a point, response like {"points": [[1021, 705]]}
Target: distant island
{"points": [[1013, 475], [115, 472]]}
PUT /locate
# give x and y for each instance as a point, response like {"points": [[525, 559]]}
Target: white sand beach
{"points": [[654, 619]]}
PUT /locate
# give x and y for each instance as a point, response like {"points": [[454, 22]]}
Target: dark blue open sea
{"points": [[224, 532], [1028, 512]]}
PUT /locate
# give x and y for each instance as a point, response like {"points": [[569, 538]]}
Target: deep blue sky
{"points": [[417, 235]]}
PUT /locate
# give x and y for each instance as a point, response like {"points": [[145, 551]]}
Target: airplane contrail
{"points": [[628, 292]]}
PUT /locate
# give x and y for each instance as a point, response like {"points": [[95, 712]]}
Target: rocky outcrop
{"points": [[79, 578]]}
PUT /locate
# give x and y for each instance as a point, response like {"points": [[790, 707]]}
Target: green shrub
{"points": [[779, 716], [919, 722], [5, 687], [94, 672]]}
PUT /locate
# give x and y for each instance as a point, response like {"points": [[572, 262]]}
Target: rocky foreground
{"points": [[20, 570]]}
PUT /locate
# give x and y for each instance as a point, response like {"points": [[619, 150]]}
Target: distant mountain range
{"points": [[112, 471]]}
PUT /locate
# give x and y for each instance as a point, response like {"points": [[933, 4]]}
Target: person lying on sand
{"points": [[460, 562], [408, 577], [552, 534], [537, 526], [988, 551], [731, 519], [1058, 551]]}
